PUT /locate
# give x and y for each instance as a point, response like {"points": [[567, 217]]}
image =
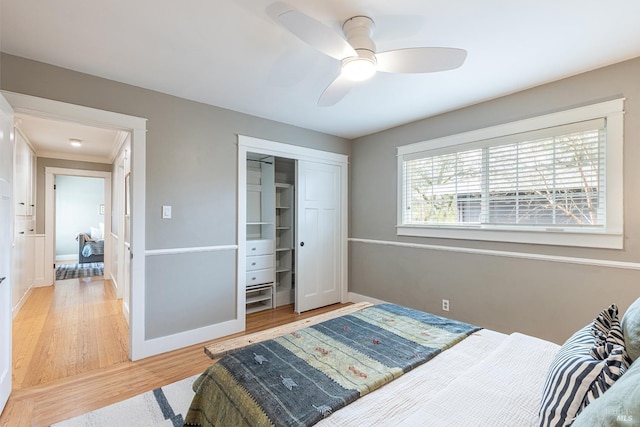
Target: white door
{"points": [[6, 239], [318, 235]]}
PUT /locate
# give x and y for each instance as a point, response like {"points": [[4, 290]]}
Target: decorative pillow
{"points": [[619, 406], [608, 345], [86, 237], [584, 368], [607, 332], [96, 233], [631, 330]]}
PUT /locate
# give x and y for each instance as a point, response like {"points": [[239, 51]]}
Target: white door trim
{"points": [[248, 144], [138, 347]]}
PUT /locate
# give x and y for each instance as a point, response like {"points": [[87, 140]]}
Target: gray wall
{"points": [[191, 164], [41, 164], [546, 299]]}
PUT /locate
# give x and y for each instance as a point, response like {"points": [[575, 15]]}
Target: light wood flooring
{"points": [[70, 352]]}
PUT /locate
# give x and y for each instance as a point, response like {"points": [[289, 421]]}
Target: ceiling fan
{"points": [[358, 55]]}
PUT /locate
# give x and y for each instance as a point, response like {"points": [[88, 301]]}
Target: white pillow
{"points": [[97, 233]]}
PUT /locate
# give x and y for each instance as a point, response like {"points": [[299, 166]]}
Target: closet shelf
{"points": [[258, 298]]}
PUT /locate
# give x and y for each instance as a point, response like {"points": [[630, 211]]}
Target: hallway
{"points": [[73, 327]]}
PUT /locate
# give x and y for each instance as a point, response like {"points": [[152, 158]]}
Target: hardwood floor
{"points": [[70, 353], [73, 327]]}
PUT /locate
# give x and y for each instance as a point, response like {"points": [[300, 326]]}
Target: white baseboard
{"points": [[42, 282], [355, 298], [18, 306], [153, 346], [114, 282], [125, 312]]}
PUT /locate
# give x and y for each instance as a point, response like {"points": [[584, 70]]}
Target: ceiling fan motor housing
{"points": [[358, 30]]}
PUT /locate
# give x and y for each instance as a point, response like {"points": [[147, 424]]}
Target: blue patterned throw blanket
{"points": [[299, 378], [93, 248]]}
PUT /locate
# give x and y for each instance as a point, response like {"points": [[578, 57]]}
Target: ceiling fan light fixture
{"points": [[357, 51], [359, 68]]}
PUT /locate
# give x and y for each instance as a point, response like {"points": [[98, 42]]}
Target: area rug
{"points": [[165, 406], [73, 271]]}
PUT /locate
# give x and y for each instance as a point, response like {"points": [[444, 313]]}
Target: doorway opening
{"points": [[79, 227], [135, 127], [78, 222]]}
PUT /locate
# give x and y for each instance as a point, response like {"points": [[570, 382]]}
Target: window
{"points": [[553, 179]]}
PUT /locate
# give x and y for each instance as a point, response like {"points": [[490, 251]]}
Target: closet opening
{"points": [[292, 226], [270, 232]]}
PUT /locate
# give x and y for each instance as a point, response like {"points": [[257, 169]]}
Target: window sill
{"points": [[557, 238]]}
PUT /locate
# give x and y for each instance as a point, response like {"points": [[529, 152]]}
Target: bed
{"points": [[90, 250], [481, 378]]}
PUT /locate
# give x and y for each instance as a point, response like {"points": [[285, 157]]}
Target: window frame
{"points": [[610, 236]]}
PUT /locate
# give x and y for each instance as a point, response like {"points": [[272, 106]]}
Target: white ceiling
{"points": [[233, 55], [50, 138]]}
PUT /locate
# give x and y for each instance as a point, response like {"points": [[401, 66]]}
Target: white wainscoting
{"points": [[180, 286]]}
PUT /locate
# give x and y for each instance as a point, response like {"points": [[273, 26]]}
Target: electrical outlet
{"points": [[445, 304]]}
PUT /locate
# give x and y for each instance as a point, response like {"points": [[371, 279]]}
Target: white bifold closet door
{"points": [[318, 235]]}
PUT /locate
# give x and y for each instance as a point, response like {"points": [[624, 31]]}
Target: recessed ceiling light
{"points": [[75, 142]]}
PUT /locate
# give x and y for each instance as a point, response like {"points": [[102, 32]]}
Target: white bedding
{"points": [[489, 379]]}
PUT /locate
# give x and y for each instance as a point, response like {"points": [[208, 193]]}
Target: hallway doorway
{"points": [[135, 129], [79, 227]]}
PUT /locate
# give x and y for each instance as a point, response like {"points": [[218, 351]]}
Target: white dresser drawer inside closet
{"points": [[260, 276], [259, 247], [260, 262], [25, 227]]}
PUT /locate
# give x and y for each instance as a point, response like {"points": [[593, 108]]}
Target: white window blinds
{"points": [[553, 177]]}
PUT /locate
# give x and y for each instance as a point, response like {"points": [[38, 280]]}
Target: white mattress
{"points": [[488, 379]]}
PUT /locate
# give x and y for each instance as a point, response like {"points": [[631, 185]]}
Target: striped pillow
{"points": [[584, 368], [607, 333], [608, 346]]}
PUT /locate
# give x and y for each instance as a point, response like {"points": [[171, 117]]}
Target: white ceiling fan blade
{"points": [[316, 34], [335, 91], [420, 59]]}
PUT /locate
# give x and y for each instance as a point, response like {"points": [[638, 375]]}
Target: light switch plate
{"points": [[166, 212]]}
